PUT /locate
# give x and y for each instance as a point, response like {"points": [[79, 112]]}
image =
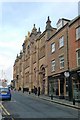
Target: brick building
{"points": [[46, 59], [58, 59], [74, 54]]}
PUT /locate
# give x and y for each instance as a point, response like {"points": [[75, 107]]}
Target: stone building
{"points": [[45, 60], [30, 67]]}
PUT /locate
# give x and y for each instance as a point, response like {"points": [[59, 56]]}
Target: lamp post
{"points": [[67, 75]]}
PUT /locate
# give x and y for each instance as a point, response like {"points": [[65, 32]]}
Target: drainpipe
{"points": [[69, 78]]}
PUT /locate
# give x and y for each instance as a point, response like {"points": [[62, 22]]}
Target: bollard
{"points": [[73, 101]]}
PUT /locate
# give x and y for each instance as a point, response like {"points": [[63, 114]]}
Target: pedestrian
{"points": [[19, 88], [38, 91], [23, 90], [35, 90]]}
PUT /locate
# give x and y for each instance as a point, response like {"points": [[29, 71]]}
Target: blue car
{"points": [[5, 93]]}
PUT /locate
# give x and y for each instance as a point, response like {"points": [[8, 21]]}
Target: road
{"points": [[23, 105]]}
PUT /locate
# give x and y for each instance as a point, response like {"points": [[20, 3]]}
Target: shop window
{"points": [[53, 87], [76, 85]]}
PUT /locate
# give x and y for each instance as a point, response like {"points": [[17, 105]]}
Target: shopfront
{"points": [[75, 76], [58, 86], [53, 87]]}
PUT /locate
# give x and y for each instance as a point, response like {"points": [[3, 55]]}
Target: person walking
{"points": [[35, 90]]}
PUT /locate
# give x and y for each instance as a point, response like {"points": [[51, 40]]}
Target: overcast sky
{"points": [[17, 18]]}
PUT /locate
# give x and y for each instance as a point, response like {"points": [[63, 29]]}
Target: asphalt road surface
{"points": [[23, 105]]}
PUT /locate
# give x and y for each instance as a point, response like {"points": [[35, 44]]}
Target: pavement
{"points": [[56, 100]]}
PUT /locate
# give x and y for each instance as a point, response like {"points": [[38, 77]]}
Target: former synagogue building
{"points": [[50, 60]]}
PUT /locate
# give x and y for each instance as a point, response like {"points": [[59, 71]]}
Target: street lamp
{"points": [[67, 75]]}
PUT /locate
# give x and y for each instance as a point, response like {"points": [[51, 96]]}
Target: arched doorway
{"points": [[42, 69]]}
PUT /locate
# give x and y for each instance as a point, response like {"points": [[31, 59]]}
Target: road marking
{"points": [[5, 111], [10, 101]]}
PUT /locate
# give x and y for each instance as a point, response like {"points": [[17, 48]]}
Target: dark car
{"points": [[5, 93]]}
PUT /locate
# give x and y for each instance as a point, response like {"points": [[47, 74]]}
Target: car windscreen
{"points": [[4, 89]]}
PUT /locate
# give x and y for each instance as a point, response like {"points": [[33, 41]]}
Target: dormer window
{"points": [[61, 23]]}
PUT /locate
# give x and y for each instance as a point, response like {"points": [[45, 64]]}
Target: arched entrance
{"points": [[42, 69]]}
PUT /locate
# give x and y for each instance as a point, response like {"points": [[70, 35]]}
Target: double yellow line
{"points": [[5, 112]]}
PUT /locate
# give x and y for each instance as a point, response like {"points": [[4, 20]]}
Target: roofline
{"points": [[58, 31], [74, 20], [43, 34], [63, 19], [66, 19]]}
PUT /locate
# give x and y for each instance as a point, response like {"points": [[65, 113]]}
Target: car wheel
{"points": [[9, 99]]}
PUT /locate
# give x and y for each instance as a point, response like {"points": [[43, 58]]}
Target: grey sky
{"points": [[18, 18]]}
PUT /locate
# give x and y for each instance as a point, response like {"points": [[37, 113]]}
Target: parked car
{"points": [[5, 93]]}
